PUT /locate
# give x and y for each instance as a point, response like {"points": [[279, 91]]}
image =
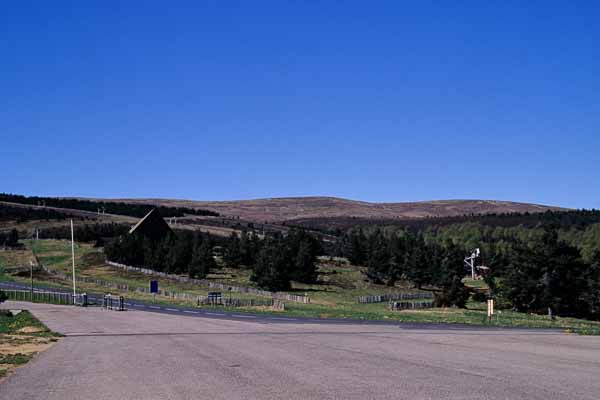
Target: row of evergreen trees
{"points": [[111, 207], [283, 259], [549, 274], [275, 261], [23, 214], [564, 219], [535, 275], [427, 265], [96, 233], [185, 253]]}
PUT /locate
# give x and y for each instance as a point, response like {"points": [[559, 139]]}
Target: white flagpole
{"points": [[73, 256]]}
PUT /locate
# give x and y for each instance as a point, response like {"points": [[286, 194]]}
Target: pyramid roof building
{"points": [[152, 226]]}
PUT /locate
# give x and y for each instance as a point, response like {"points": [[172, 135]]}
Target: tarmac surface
{"points": [[145, 355]]}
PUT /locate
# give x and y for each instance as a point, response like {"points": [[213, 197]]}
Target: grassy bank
{"points": [[21, 337]]}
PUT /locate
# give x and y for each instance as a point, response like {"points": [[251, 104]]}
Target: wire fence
{"points": [[200, 300], [214, 285]]}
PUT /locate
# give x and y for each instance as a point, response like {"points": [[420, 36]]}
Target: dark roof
{"points": [[152, 226]]}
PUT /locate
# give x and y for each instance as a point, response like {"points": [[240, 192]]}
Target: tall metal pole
{"points": [[31, 289], [73, 256], [34, 251]]}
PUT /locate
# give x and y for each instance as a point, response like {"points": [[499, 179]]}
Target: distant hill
{"points": [[296, 208]]}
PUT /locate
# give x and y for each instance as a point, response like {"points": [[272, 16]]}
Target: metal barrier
{"points": [[115, 303], [39, 296], [46, 296], [81, 300]]}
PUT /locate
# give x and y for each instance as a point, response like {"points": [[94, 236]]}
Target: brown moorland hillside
{"points": [[293, 208]]}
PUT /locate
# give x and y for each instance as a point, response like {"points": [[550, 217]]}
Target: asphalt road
{"points": [[141, 355]]}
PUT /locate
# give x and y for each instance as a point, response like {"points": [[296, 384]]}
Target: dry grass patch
{"points": [[15, 258], [21, 338]]}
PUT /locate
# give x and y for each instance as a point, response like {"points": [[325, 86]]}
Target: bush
{"points": [[479, 297], [456, 295]]}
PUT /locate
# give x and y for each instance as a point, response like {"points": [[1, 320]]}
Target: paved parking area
{"points": [[143, 355]]}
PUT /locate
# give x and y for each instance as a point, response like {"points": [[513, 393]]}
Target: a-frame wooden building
{"points": [[152, 226]]}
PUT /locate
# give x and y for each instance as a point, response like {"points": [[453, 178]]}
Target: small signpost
{"points": [[490, 309], [154, 289]]}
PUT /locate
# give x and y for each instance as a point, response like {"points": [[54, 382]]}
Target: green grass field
{"points": [[335, 295], [14, 324]]}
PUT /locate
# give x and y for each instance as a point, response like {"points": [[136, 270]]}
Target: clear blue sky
{"points": [[377, 101]]}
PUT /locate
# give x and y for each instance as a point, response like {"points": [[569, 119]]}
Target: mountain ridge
{"points": [[280, 209]]}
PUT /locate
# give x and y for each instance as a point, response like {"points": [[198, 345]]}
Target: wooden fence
{"points": [[410, 305], [382, 298], [233, 302], [214, 285]]}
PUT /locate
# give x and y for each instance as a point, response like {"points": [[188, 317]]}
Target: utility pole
{"points": [[34, 251], [73, 258], [31, 272]]}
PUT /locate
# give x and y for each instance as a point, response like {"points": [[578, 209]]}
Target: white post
{"points": [[472, 269], [490, 308], [73, 257]]}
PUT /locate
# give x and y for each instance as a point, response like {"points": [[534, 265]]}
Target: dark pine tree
{"points": [[233, 254], [271, 271], [378, 261], [13, 238], [303, 250], [202, 261], [358, 248]]}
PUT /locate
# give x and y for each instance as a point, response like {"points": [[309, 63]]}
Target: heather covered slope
{"points": [[292, 208]]}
